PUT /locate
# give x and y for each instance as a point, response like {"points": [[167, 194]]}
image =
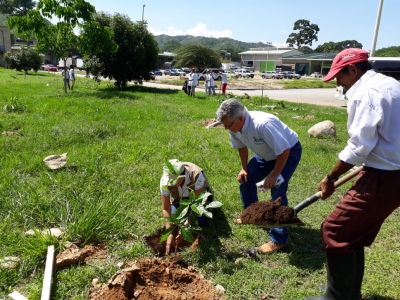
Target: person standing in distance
{"points": [[224, 81], [373, 125], [72, 76]]}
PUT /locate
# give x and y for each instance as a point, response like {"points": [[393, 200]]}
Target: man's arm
{"points": [[281, 160], [244, 156]]}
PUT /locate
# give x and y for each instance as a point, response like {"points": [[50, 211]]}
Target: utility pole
{"points": [[378, 21]]}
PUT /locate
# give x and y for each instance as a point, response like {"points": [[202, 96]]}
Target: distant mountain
{"points": [[213, 43]]}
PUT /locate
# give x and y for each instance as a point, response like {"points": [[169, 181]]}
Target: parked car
{"points": [[217, 76], [157, 73], [168, 72], [291, 75], [179, 72], [152, 75], [270, 75], [316, 75], [186, 70], [244, 73], [49, 67]]}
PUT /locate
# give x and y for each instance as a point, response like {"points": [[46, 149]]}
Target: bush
{"points": [[24, 60]]}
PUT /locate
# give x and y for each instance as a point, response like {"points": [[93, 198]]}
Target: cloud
{"points": [[199, 30]]}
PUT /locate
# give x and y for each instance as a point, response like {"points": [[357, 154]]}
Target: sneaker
{"points": [[271, 247]]}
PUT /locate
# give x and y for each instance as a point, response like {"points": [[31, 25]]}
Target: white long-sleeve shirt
{"points": [[373, 123]]}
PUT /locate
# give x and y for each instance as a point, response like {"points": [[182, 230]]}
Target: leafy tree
{"points": [[393, 51], [332, 47], [306, 49], [16, 7], [24, 60], [61, 38], [307, 33], [197, 56], [136, 56], [171, 46]]}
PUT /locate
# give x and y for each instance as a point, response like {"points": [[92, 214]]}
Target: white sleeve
{"points": [[199, 182], [162, 191]]}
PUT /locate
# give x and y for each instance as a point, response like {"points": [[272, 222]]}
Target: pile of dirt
{"points": [[269, 213], [155, 279], [73, 255]]}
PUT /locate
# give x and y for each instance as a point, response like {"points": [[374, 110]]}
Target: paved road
{"points": [[311, 96]]}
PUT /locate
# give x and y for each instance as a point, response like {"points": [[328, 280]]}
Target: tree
{"points": [[24, 60], [332, 47], [61, 38], [307, 33], [171, 46], [393, 51], [306, 49], [197, 56], [136, 56], [16, 7]]}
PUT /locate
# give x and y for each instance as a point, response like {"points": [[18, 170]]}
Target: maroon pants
{"points": [[224, 88], [357, 219]]}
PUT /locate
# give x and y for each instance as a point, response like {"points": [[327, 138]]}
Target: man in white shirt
{"points": [[72, 76], [65, 75], [277, 151], [210, 83], [193, 81], [373, 126]]}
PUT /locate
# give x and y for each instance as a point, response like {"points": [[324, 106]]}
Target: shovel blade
{"points": [[278, 225]]}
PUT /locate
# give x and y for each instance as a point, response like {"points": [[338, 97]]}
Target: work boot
{"points": [[340, 276], [358, 276]]}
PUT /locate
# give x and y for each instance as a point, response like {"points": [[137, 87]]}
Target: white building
{"points": [[268, 58]]}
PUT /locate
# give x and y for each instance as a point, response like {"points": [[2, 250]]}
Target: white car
{"points": [[316, 75], [244, 73]]}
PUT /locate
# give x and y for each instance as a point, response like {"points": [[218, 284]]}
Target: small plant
{"points": [[185, 217], [13, 105], [189, 210]]}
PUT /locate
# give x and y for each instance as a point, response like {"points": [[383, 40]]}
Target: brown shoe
{"points": [[237, 221], [271, 247]]}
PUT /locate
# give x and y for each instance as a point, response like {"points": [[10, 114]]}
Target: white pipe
{"points": [[378, 20]]}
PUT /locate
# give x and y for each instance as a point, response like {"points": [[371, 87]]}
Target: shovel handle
{"points": [[310, 200]]}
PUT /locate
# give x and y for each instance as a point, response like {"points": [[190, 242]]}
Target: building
{"points": [[5, 40], [268, 58], [305, 64]]}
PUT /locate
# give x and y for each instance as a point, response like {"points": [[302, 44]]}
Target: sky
{"points": [[265, 20]]}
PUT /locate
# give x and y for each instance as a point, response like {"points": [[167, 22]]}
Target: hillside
{"points": [[213, 43]]}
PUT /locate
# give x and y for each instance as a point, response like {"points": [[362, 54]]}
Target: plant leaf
{"points": [[194, 209], [185, 202], [208, 214], [187, 234], [165, 234], [201, 209], [183, 213], [214, 204], [170, 167]]}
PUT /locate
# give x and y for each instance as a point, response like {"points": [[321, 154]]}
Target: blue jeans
{"points": [[257, 170], [201, 221]]}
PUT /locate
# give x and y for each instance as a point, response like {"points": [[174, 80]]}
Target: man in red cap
{"points": [[373, 125]]}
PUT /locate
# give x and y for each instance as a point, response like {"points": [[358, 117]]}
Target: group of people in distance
{"points": [[374, 143], [209, 83], [69, 77]]}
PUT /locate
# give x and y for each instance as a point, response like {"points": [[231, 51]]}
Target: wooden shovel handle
{"points": [[310, 200]]}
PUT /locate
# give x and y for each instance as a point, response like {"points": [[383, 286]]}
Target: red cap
{"points": [[344, 58]]}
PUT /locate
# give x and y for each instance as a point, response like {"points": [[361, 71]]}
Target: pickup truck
{"points": [[244, 73]]}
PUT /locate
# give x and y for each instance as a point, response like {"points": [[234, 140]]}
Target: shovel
{"points": [[310, 200]]}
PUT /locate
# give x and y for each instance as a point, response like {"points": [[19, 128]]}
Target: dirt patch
{"points": [[153, 241], [73, 255], [269, 213], [156, 279], [211, 123]]}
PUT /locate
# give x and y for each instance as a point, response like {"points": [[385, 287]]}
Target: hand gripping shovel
{"points": [[292, 212]]}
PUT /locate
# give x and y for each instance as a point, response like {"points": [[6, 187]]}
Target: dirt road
{"points": [[311, 96]]}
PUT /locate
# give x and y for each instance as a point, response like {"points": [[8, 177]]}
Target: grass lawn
{"points": [[117, 141]]}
